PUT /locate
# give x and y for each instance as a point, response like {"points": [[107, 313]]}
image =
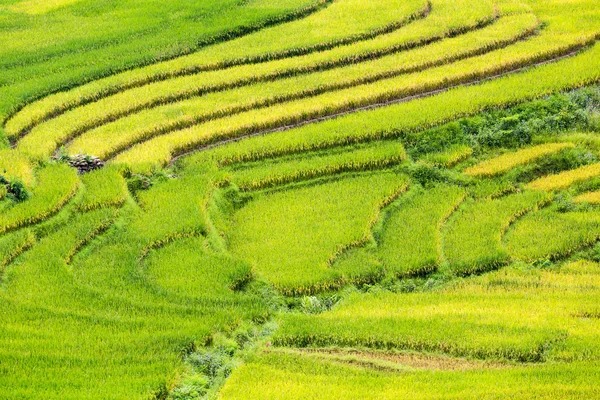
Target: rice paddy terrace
{"points": [[300, 199]]}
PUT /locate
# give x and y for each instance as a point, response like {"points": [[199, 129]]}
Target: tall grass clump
{"points": [[103, 188]]}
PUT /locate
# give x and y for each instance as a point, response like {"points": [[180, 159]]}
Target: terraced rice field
{"points": [[292, 199]]}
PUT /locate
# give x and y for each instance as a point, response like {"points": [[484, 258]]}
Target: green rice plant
{"points": [[189, 267], [551, 235], [268, 375], [359, 266], [441, 22], [14, 165], [43, 54], [121, 329], [183, 200], [449, 158], [521, 314], [474, 325], [410, 242], [508, 161], [103, 188], [39, 6], [13, 244], [282, 171], [291, 237], [565, 179], [194, 111], [472, 241], [332, 26], [57, 184]]}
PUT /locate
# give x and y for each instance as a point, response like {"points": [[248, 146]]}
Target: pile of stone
{"points": [[84, 163]]}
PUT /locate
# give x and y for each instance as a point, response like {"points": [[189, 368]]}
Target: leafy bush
{"points": [[317, 305], [17, 191]]}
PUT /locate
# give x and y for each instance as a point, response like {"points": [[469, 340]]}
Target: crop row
{"points": [[104, 217], [161, 149], [416, 115], [34, 67], [509, 314], [14, 165], [266, 376], [279, 172], [57, 184], [192, 111], [589, 197], [275, 232], [450, 323], [410, 242], [565, 179], [106, 307], [546, 235], [122, 104], [265, 43], [473, 238], [14, 244], [506, 162], [189, 109]]}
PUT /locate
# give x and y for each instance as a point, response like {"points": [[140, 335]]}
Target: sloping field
{"points": [[294, 199]]}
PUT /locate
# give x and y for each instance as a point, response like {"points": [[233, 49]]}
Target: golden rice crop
{"points": [[589, 197], [189, 110], [565, 179], [506, 162]]}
